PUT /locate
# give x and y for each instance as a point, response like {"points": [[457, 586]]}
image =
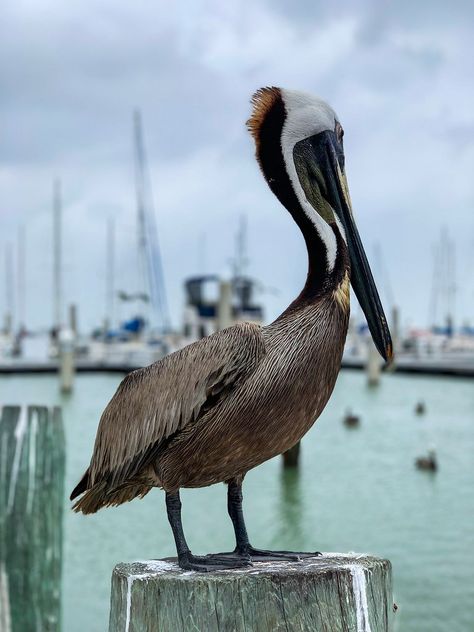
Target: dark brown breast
{"points": [[274, 408]]}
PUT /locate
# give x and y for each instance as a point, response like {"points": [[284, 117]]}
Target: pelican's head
{"points": [[299, 145]]}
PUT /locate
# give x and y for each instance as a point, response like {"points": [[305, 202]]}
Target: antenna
{"points": [[57, 252], [240, 261], [202, 252]]}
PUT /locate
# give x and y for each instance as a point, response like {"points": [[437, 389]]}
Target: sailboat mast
{"points": [[57, 254], [9, 326], [140, 199], [240, 261], [21, 284], [148, 244], [110, 273]]}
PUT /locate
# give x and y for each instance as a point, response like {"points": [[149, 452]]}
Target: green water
{"points": [[356, 490]]}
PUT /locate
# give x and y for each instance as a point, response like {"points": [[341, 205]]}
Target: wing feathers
{"points": [[154, 403]]}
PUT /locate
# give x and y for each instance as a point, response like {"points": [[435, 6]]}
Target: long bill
{"points": [[361, 275]]}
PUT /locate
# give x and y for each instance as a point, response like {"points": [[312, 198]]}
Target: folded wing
{"points": [[154, 403]]}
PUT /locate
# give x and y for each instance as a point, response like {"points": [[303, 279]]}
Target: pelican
{"points": [[221, 406]]}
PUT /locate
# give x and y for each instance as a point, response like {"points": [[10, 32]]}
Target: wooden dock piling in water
{"points": [[32, 459], [291, 457], [373, 365], [332, 593], [67, 366]]}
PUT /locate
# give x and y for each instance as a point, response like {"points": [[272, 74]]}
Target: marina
{"points": [[128, 360], [237, 317], [418, 520], [136, 329], [403, 434]]}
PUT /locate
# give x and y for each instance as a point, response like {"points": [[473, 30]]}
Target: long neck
{"points": [[320, 280], [320, 277]]}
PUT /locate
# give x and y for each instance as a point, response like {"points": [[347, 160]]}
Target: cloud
{"points": [[72, 74]]}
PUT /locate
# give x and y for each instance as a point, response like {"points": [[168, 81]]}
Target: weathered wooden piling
{"points": [[73, 319], [31, 508], [224, 309], [373, 365], [332, 593], [67, 361]]}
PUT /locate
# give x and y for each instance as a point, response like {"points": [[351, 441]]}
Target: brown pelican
{"points": [[429, 462], [223, 405], [420, 408], [351, 420]]}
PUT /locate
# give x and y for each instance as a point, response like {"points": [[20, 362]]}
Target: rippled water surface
{"points": [[356, 490]]}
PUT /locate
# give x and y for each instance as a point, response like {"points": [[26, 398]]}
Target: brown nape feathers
{"points": [[262, 102]]}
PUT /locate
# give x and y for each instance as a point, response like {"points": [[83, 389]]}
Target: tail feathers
{"points": [[81, 486], [98, 496]]}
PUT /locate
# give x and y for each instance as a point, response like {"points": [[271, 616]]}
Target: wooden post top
{"points": [[336, 592], [167, 569]]}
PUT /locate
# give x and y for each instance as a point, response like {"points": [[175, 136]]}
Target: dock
{"points": [[456, 367], [19, 366]]}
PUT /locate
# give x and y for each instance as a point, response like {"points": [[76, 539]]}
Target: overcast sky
{"points": [[399, 74]]}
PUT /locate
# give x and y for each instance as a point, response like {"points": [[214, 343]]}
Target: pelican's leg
{"points": [[186, 559], [243, 546]]}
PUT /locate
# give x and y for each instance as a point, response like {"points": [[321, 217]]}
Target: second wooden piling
{"points": [[31, 508]]}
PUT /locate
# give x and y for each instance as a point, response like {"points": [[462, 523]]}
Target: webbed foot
{"points": [[249, 553], [209, 563], [262, 555]]}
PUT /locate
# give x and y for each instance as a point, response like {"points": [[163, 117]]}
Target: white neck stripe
{"points": [[324, 230], [306, 116]]}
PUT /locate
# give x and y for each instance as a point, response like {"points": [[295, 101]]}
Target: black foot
{"points": [[209, 563], [261, 555]]}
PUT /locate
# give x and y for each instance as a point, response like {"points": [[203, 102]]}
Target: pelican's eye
{"points": [[339, 132]]}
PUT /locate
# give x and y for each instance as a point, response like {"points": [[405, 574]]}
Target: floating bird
{"points": [[351, 420], [219, 407], [429, 462], [420, 408]]}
